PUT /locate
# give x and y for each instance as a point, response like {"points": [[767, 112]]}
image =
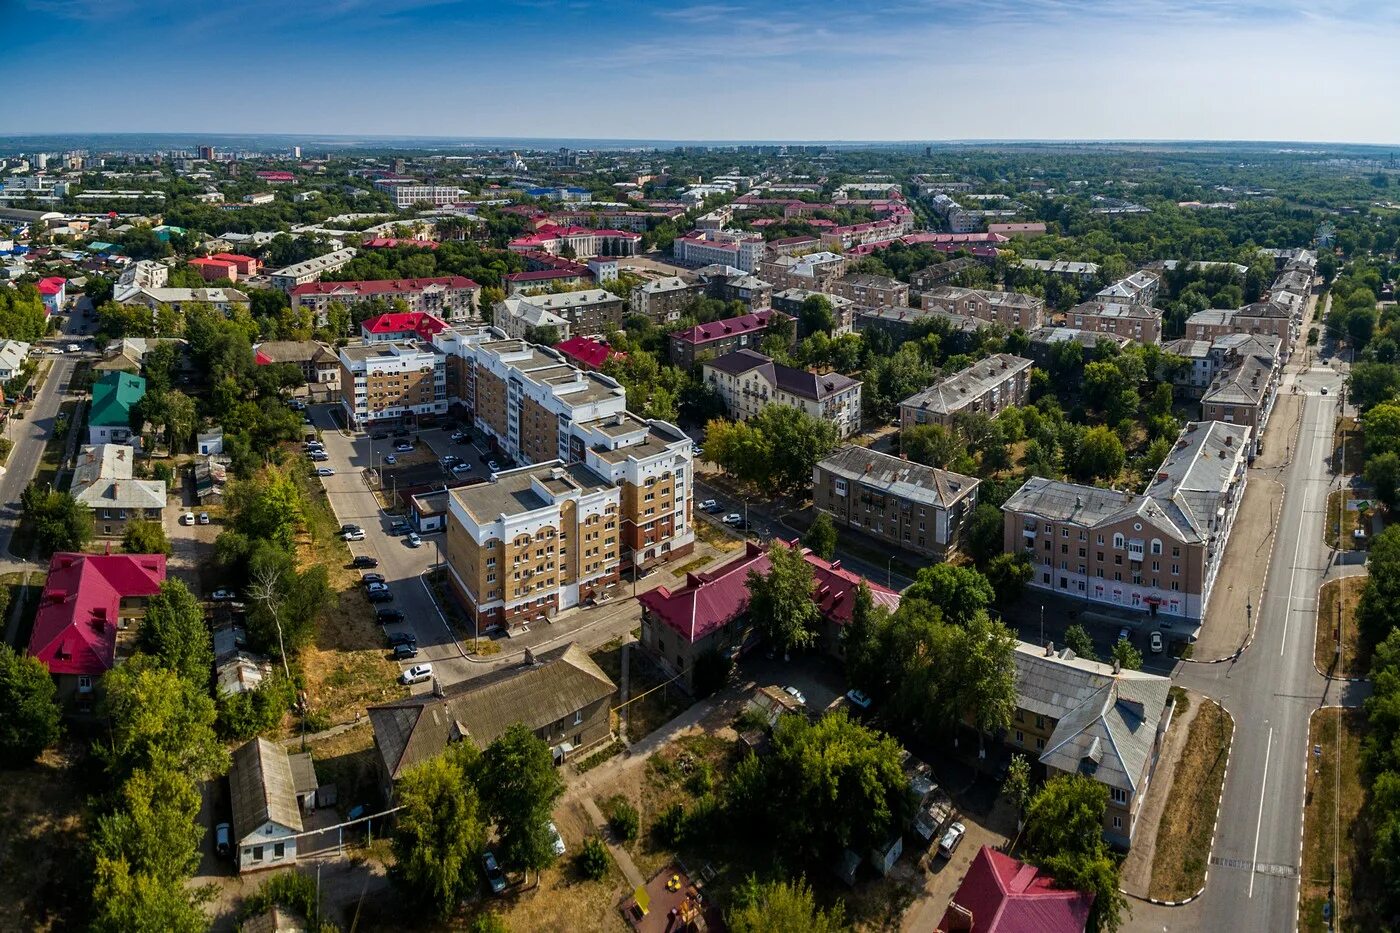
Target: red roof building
{"points": [[211, 270], [721, 337], [451, 297], [583, 241], [1002, 895], [75, 629], [389, 242], [587, 353], [403, 326], [276, 178], [246, 265], [53, 285]]}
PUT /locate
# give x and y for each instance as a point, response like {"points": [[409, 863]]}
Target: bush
{"points": [[701, 780], [292, 890], [6, 445], [489, 923], [624, 819], [593, 859], [669, 827]]}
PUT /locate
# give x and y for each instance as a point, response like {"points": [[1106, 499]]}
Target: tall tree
{"points": [[960, 592], [153, 828], [1128, 657], [1077, 640], [440, 832], [1064, 835], [173, 631], [782, 907], [32, 720], [519, 786], [156, 716], [145, 537], [780, 602], [135, 902], [821, 536]]}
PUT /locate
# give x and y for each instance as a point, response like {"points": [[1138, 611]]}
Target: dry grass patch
{"points": [[1188, 821], [1342, 521], [1355, 441], [1343, 594], [716, 537], [42, 843], [1329, 816]]}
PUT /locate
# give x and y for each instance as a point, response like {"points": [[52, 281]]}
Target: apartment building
{"points": [[1260, 319], [1078, 716], [866, 289], [1157, 551], [736, 248], [395, 326], [1140, 288], [103, 482], [811, 271], [1044, 340], [1080, 272], [224, 300], [720, 337], [388, 381], [906, 505], [1245, 383], [789, 301], [450, 297], [748, 381], [1209, 358], [311, 270], [1139, 322], [793, 245], [903, 323], [246, 265], [406, 194], [665, 299], [582, 313], [211, 270], [988, 387], [319, 364], [1011, 310], [941, 273], [842, 238], [582, 242], [726, 283]]}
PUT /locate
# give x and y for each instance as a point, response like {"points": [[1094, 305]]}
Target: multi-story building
{"points": [[789, 301], [748, 381], [224, 300], [1138, 322], [582, 242], [1081, 272], [1260, 319], [582, 313], [103, 481], [319, 364], [311, 270], [793, 245], [735, 248], [410, 194], [453, 298], [1140, 288], [1245, 384], [246, 265], [726, 283], [144, 273], [907, 505], [1157, 551], [720, 337], [941, 273], [1084, 717], [866, 289], [811, 271], [381, 382], [841, 238], [1043, 340], [988, 387], [1011, 310], [395, 326], [665, 299], [211, 270]]}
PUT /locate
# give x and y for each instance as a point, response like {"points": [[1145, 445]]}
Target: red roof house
{"points": [[246, 265], [75, 629], [403, 326], [1002, 895], [211, 270], [389, 242], [587, 353], [51, 285]]}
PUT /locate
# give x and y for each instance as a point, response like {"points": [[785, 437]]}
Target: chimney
{"points": [[1049, 649], [529, 658], [437, 688], [1117, 668]]}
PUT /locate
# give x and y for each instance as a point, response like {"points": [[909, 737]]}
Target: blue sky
{"points": [[730, 69]]}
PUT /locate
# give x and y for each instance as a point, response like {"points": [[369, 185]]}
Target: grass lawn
{"points": [[1328, 816], [1355, 446], [43, 879], [1344, 593], [716, 537], [1341, 521], [1184, 834]]}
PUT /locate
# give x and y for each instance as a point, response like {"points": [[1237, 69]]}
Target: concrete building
{"points": [[736, 248], [389, 381], [1043, 341], [588, 312], [1134, 321], [1260, 319], [1011, 310], [311, 270], [224, 300], [1081, 273], [906, 505], [941, 273], [988, 387], [319, 364], [666, 299], [211, 270], [789, 301], [871, 290], [811, 271], [581, 242], [410, 195], [104, 483], [1157, 552], [748, 381], [452, 298], [1140, 288], [720, 337]]}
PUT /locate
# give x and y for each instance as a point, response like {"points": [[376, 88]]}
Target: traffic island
{"points": [[1186, 831], [1336, 623], [1331, 885]]}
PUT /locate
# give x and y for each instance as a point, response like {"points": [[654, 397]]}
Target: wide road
{"points": [[1271, 690]]}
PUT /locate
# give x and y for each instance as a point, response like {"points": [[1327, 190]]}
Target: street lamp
{"points": [[889, 572]]}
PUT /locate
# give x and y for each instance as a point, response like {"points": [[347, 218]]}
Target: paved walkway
{"points": [[619, 854], [1234, 602]]}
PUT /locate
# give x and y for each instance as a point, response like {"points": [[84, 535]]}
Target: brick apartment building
{"points": [[1011, 310], [452, 298], [988, 386]]}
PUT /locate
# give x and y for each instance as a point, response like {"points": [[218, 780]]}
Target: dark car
{"points": [[372, 578], [401, 638], [402, 432], [363, 561], [387, 616], [379, 436], [494, 876], [380, 596], [348, 528], [398, 529], [405, 652]]}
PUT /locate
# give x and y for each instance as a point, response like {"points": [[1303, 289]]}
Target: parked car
{"points": [[556, 840], [369, 578], [390, 460], [1125, 634], [406, 651], [795, 694], [350, 527], [491, 465], [187, 518], [325, 471], [951, 837], [709, 505], [203, 518], [413, 540], [388, 616], [1155, 643], [416, 674], [363, 561], [223, 596], [373, 588], [380, 596], [379, 436], [398, 527], [458, 437], [858, 699], [401, 638], [403, 447], [318, 456], [356, 535], [74, 348], [462, 467], [494, 876], [733, 519], [222, 840], [1324, 390]]}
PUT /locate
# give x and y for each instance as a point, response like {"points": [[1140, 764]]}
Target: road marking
{"points": [[1259, 822], [1297, 546]]}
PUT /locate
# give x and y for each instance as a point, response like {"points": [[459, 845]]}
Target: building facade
{"points": [[664, 300], [1011, 310], [720, 337], [452, 298], [391, 381], [864, 289], [748, 381], [988, 387]]}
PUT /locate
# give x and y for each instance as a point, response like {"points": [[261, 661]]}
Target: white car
{"points": [[949, 843], [709, 505], [356, 534], [376, 588], [491, 465], [404, 447], [1155, 642], [463, 467], [187, 518], [324, 471], [416, 674], [795, 694], [223, 596], [413, 540], [74, 348], [203, 518], [390, 459], [733, 518]]}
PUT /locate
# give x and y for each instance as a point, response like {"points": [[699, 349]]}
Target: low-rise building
{"points": [[1079, 272], [311, 270], [588, 312], [907, 505], [665, 299], [211, 270], [1085, 717], [1019, 229], [1043, 341], [1000, 894], [103, 482], [748, 381], [941, 273], [319, 364], [1011, 310], [266, 802], [53, 292], [789, 301], [720, 337], [1138, 322], [727, 247], [579, 242], [586, 353], [450, 297], [397, 326], [987, 387], [227, 301], [381, 382], [114, 396], [246, 265], [1260, 319], [811, 271], [1140, 288], [726, 283], [561, 695], [13, 354], [1157, 551], [865, 289]]}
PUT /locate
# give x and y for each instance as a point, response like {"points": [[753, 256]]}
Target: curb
{"points": [[1215, 829], [1316, 635], [1303, 823], [1254, 624]]}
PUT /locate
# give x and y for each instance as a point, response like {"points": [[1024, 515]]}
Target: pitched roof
{"points": [[797, 382], [102, 479], [897, 476], [383, 286], [113, 397], [422, 323], [559, 683], [51, 285], [1000, 894], [292, 351], [262, 789], [955, 392], [75, 629], [729, 327], [587, 351]]}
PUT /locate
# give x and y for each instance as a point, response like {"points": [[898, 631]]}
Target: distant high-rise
{"points": [[399, 166], [296, 152], [206, 152], [41, 160]]}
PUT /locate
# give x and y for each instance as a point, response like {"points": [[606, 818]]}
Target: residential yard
{"points": [[1188, 820], [716, 537], [1343, 521], [16, 592], [43, 879], [348, 761], [1344, 595], [1332, 822], [657, 703]]}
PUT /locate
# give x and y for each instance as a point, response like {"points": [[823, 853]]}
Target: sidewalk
{"points": [[619, 854], [1240, 581]]}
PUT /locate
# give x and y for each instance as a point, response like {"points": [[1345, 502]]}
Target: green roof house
{"points": [[113, 397]]}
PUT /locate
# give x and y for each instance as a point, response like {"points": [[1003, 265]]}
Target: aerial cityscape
{"points": [[779, 482]]}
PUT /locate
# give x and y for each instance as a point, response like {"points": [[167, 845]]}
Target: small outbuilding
{"points": [[266, 812]]}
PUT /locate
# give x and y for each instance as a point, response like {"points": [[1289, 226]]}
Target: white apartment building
{"points": [[311, 270], [749, 381], [727, 247], [387, 381], [408, 195]]}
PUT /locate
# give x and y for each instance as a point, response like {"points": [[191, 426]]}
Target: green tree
{"points": [[984, 533], [1380, 597], [519, 787], [1382, 474], [593, 858], [173, 631], [959, 592], [158, 717], [60, 522], [440, 832], [930, 444], [134, 902], [1008, 574], [32, 720], [153, 827], [1101, 455], [782, 907], [1128, 657], [780, 602], [821, 536], [1017, 785], [145, 537], [815, 314], [1064, 835], [1077, 640], [796, 441]]}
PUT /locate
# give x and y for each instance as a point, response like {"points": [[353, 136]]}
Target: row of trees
{"points": [[1380, 637]]}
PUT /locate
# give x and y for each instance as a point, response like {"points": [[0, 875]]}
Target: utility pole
{"points": [[889, 572], [1042, 624]]}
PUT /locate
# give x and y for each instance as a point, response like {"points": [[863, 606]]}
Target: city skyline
{"points": [[903, 70]]}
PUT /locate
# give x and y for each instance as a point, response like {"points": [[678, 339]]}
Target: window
{"points": [[1020, 715], [1020, 737], [578, 717], [1118, 794], [1040, 722], [84, 683], [1064, 532], [1039, 744], [279, 850], [257, 853], [1156, 546], [1100, 542], [1117, 822], [1118, 541]]}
